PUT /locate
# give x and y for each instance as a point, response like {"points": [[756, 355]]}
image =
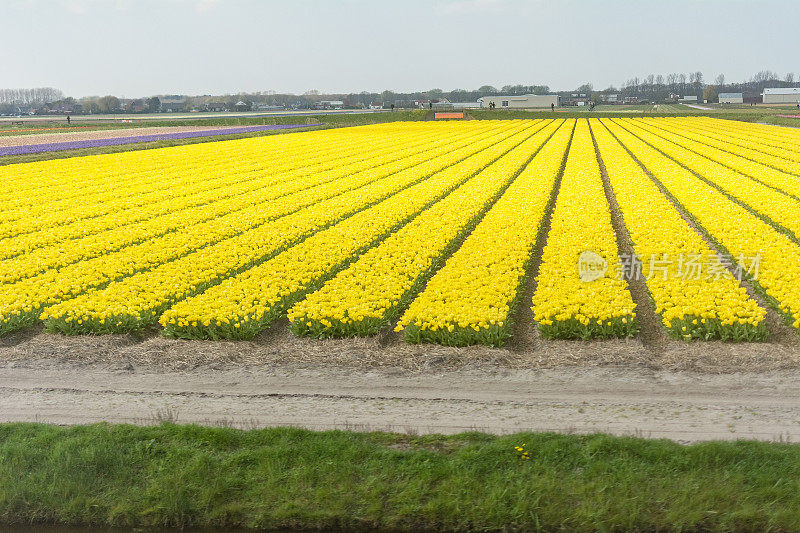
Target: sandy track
{"points": [[685, 407], [684, 392], [45, 138]]}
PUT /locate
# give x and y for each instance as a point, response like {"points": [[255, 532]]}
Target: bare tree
{"points": [[672, 80], [764, 76], [720, 80], [789, 77], [659, 80], [34, 96]]}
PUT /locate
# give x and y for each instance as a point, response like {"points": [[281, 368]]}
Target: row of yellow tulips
{"points": [[62, 182], [775, 206], [472, 299], [247, 197], [137, 301], [566, 304], [244, 305], [369, 294], [753, 167], [736, 231], [84, 216], [691, 300], [728, 137]]}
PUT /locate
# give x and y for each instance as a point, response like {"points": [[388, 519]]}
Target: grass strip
{"points": [[191, 476]]}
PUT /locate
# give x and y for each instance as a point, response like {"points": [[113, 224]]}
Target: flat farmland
{"points": [[616, 254], [447, 232]]}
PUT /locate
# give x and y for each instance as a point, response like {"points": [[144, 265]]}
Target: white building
{"points": [[789, 95], [525, 101], [692, 99], [731, 98]]}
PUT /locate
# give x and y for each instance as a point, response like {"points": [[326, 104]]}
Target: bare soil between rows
{"points": [[684, 392]]}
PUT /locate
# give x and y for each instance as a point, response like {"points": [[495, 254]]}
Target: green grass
{"points": [[186, 476]]}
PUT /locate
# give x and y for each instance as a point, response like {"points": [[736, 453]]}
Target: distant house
{"points": [[609, 98], [525, 101], [64, 107], [731, 98], [241, 106], [135, 106], [688, 99], [575, 99], [783, 95], [173, 104], [216, 107]]}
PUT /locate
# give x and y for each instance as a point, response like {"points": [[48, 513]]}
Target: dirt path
{"points": [[682, 406], [686, 392]]}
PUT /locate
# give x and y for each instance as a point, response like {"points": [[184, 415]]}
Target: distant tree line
{"points": [[659, 87], [37, 95], [652, 88]]}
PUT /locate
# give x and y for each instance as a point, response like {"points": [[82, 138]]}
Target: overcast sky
{"points": [[137, 48]]}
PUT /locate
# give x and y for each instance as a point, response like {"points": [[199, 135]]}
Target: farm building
{"points": [[173, 104], [691, 99], [575, 99], [520, 102], [731, 98], [787, 95]]}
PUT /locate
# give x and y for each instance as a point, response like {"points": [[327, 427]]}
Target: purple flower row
{"points": [[94, 143]]}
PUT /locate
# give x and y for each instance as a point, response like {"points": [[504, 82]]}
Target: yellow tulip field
{"points": [[442, 231]]}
